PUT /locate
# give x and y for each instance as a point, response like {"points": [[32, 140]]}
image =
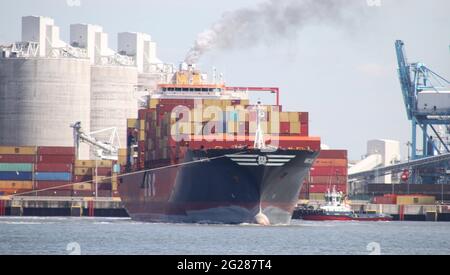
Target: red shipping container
{"points": [[285, 127], [312, 144], [304, 130], [323, 188], [56, 159], [53, 167], [333, 154], [329, 171], [328, 179], [304, 118], [104, 171], [142, 113], [17, 158], [47, 150], [55, 185]]}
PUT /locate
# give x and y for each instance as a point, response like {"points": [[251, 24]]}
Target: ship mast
{"points": [[259, 135]]}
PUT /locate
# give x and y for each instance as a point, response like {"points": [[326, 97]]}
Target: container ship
{"points": [[200, 152]]}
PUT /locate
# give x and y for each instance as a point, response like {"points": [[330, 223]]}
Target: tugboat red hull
{"points": [[346, 218]]}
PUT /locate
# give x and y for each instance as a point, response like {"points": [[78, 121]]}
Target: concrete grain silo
{"points": [[42, 89], [112, 99], [40, 98], [113, 82]]}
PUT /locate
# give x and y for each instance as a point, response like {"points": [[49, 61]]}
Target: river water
{"points": [[25, 235]]}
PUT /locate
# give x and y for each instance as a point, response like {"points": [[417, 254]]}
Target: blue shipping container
{"points": [[50, 176], [16, 176], [116, 168]]}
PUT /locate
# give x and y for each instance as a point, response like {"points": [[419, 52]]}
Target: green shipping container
{"points": [[16, 167]]}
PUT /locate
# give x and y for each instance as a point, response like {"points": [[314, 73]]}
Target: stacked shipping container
{"points": [[16, 169], [229, 123], [329, 169], [53, 170], [94, 172]]}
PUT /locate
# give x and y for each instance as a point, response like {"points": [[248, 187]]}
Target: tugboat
{"points": [[336, 209]]}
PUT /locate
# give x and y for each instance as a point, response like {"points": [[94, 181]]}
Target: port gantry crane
{"points": [[105, 150], [417, 78], [414, 79]]}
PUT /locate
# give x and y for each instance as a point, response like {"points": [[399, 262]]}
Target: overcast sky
{"points": [[343, 74]]}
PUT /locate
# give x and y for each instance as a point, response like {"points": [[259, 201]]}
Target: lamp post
{"points": [[408, 146], [310, 180]]}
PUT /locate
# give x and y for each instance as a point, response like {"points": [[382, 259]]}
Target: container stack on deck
{"points": [[53, 170], [156, 126], [329, 169]]}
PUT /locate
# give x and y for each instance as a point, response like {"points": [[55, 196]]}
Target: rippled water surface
{"points": [[27, 235]]}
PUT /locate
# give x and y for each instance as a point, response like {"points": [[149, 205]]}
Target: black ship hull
{"points": [[219, 186]]}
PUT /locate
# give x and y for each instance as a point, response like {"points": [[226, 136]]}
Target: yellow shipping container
{"points": [[196, 79], [153, 102], [132, 123], [122, 160], [91, 163], [181, 78], [7, 184], [11, 150], [114, 180], [101, 179], [284, 117], [293, 116], [212, 102], [295, 128], [415, 200], [274, 127], [226, 102], [123, 152], [141, 135], [82, 186], [83, 171]]}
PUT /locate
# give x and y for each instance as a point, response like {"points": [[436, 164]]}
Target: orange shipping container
{"points": [[91, 163], [11, 150], [330, 162], [284, 117], [4, 184]]}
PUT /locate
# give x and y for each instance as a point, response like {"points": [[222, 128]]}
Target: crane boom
{"points": [[106, 150]]}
